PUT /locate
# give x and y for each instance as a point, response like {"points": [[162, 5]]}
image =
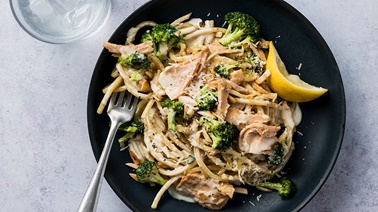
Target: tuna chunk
{"points": [[175, 78], [216, 47], [208, 193], [257, 138], [143, 48], [223, 93], [241, 119], [237, 76]]}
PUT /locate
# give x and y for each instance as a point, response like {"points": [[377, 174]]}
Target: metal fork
{"points": [[120, 110]]}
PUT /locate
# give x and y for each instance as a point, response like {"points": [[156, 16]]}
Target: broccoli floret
{"points": [[255, 63], [247, 40], [166, 33], [134, 60], [147, 172], [276, 158], [164, 37], [147, 36], [240, 26], [131, 128], [206, 99], [136, 76], [222, 133], [175, 110], [285, 187], [223, 70]]}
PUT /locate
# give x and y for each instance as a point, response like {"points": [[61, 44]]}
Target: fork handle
{"points": [[90, 199]]}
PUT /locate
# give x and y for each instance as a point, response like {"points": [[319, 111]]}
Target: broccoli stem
{"points": [[285, 187], [147, 172], [171, 119], [126, 137], [229, 38]]}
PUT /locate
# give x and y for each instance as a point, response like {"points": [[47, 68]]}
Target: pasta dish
{"points": [[207, 123]]}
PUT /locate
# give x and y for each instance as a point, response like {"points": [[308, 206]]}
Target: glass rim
{"points": [[58, 40]]}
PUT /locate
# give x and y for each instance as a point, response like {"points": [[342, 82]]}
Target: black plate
{"points": [[298, 42]]}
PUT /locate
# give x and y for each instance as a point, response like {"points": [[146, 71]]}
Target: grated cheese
{"points": [[258, 197], [299, 66]]}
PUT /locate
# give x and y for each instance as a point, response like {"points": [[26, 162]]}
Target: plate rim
{"points": [[305, 22]]}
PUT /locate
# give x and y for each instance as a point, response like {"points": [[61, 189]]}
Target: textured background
{"points": [[46, 159]]}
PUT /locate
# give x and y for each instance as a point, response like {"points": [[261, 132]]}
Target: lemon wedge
{"points": [[288, 86]]}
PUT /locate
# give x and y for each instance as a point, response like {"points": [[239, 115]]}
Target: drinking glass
{"points": [[60, 21]]}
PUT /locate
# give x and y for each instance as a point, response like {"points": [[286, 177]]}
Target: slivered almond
{"points": [[132, 175], [134, 157], [241, 190], [132, 165]]}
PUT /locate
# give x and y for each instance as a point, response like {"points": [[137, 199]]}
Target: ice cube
{"points": [[41, 8]]}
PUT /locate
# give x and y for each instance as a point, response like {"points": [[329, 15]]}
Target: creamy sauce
{"points": [[195, 21], [292, 118], [297, 115], [179, 196], [287, 117]]}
